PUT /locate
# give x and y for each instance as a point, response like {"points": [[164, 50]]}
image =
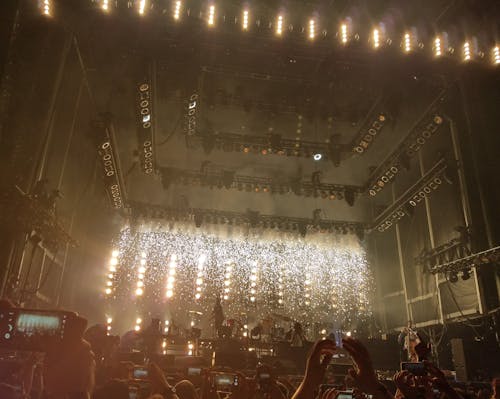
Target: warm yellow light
{"points": [[376, 38], [177, 10], [343, 33], [170, 293], [139, 291], [115, 253], [113, 262], [467, 51], [245, 20], [279, 25], [407, 42], [211, 15], [142, 7], [197, 296], [109, 320], [438, 47], [105, 5], [312, 29], [138, 320], [108, 291], [496, 55]]}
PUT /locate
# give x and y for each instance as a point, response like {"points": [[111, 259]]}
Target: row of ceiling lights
{"points": [[379, 36]]}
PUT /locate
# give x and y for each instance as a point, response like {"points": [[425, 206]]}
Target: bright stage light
{"points": [[211, 15], [139, 291], [344, 34], [279, 25], [245, 20], [177, 10], [317, 157], [105, 5], [46, 7], [466, 51], [109, 283], [407, 45], [496, 55], [376, 38], [312, 29], [438, 50], [115, 253], [108, 291], [109, 320], [138, 321], [142, 7], [113, 261], [348, 333]]}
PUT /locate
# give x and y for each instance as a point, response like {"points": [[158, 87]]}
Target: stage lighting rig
{"points": [[110, 163], [145, 126], [191, 115], [489, 257], [221, 178], [147, 212], [368, 133], [45, 7], [411, 197], [177, 10], [495, 55], [426, 127]]}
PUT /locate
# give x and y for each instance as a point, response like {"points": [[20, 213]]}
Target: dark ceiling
{"points": [[253, 84]]}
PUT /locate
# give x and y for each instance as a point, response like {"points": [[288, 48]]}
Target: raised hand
{"points": [[363, 377], [319, 358]]}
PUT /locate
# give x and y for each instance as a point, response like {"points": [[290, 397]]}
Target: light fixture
{"points": [[108, 291], [105, 5], [317, 157], [467, 51], [172, 265], [177, 10], [115, 253], [438, 47], [142, 7], [109, 320], [245, 20], [279, 25], [466, 274], [376, 38], [496, 55], [312, 29], [46, 7], [139, 291], [211, 15], [453, 277], [344, 34]]}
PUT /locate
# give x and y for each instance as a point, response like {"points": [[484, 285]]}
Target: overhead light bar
{"points": [[245, 20], [344, 34], [141, 271], [105, 5], [211, 15], [376, 38], [410, 41], [253, 283], [199, 277], [142, 7], [46, 7], [496, 55], [370, 134], [113, 266], [466, 51], [172, 266], [177, 10], [312, 28], [279, 25]]}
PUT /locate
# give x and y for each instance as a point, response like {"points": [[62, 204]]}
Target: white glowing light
{"points": [[344, 35], [467, 51], [46, 7], [137, 328], [139, 291], [138, 321], [211, 15], [496, 55], [317, 157], [177, 10], [407, 42], [108, 291], [105, 5], [115, 253], [279, 25], [376, 38], [312, 29], [140, 284], [113, 262], [109, 283], [348, 333], [245, 20], [438, 51], [143, 262], [109, 320], [112, 269], [281, 262], [142, 6]]}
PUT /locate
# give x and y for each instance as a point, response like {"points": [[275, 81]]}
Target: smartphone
{"points": [[194, 371], [416, 368], [140, 373], [225, 382], [345, 395], [35, 330]]}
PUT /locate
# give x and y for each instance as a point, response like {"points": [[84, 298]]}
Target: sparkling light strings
{"points": [[272, 269]]}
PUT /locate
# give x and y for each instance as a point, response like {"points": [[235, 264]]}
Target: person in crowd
{"points": [[495, 386], [408, 339], [152, 338]]}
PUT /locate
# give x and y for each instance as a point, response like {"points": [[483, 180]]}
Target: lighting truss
{"points": [[145, 125], [229, 180], [250, 218], [110, 163], [487, 257], [369, 131], [428, 125], [411, 198]]}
